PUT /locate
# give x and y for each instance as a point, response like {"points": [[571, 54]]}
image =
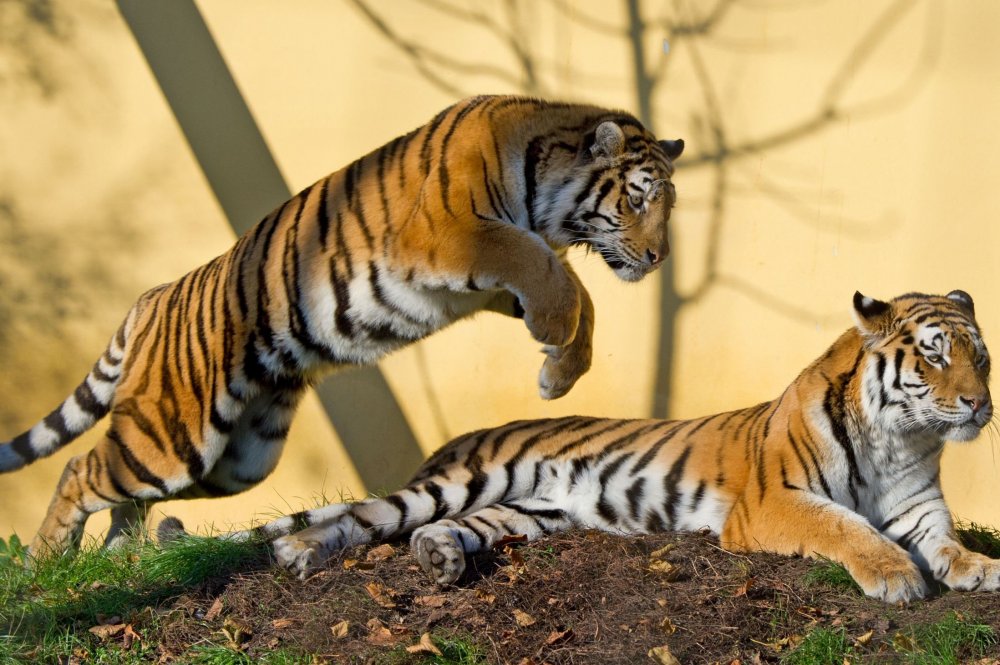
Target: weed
{"points": [[950, 641], [822, 646], [455, 650], [831, 574], [980, 538]]}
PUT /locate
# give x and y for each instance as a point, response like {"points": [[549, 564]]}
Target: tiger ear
{"points": [[673, 148], [964, 300], [872, 317], [609, 141]]}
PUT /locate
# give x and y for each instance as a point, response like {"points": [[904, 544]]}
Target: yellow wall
{"points": [[100, 198]]}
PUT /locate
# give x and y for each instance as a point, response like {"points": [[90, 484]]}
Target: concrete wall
{"points": [[832, 146]]}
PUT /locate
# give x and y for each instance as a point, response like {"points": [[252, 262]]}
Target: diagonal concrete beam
{"points": [[245, 179]]}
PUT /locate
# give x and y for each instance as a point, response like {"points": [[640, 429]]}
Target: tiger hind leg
{"points": [[128, 521], [440, 547]]}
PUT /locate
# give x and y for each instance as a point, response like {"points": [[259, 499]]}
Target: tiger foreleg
{"points": [[930, 536], [440, 547], [565, 364], [801, 523]]}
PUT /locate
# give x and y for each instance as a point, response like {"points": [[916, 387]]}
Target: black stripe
{"points": [[137, 468], [344, 325], [670, 486], [531, 159], [88, 401]]}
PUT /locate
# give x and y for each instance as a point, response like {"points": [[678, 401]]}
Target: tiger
{"points": [[844, 465], [474, 211]]}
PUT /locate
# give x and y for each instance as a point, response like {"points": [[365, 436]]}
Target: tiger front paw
{"points": [[893, 579], [553, 315], [439, 553], [562, 367], [300, 556], [970, 571]]}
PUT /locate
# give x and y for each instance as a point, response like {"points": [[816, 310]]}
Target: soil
{"points": [[581, 597]]}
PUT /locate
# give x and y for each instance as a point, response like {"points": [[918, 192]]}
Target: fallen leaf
{"points": [[380, 635], [663, 656], [130, 637], [215, 610], [107, 631], [486, 596], [508, 540], [663, 551], [523, 619], [743, 588], [865, 638], [661, 602], [516, 559], [903, 642], [360, 565], [668, 626], [559, 636], [432, 600], [669, 570], [278, 624], [381, 594], [425, 646], [380, 553], [340, 629], [237, 631], [97, 584]]}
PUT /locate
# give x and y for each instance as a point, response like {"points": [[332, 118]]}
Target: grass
{"points": [[46, 609], [950, 641], [832, 575], [979, 538], [211, 654], [822, 646], [455, 650]]}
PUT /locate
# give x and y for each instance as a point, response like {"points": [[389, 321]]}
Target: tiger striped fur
{"points": [[844, 464], [471, 212]]}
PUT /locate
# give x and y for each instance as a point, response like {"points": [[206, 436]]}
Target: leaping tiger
{"points": [[473, 211], [844, 464]]}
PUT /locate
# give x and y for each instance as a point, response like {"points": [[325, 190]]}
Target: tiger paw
{"points": [[439, 553], [970, 571], [299, 556], [553, 315], [563, 366], [896, 580]]}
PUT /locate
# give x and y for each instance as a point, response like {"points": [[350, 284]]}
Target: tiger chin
{"points": [[473, 211], [844, 464]]}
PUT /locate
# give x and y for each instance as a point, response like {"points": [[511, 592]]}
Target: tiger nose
{"points": [[656, 258], [977, 403]]}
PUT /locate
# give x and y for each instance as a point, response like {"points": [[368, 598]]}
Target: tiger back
{"points": [[471, 212], [845, 465]]}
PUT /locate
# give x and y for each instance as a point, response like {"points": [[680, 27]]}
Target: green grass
{"points": [[47, 607], [455, 650], [822, 646], [950, 641], [979, 538], [212, 654], [832, 575]]}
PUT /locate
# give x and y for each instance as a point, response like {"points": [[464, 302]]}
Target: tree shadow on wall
{"points": [[688, 29]]}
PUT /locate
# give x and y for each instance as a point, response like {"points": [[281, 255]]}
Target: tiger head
{"points": [[623, 209], [932, 367]]}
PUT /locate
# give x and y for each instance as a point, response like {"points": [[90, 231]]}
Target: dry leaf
{"points": [[558, 636], [663, 656], [903, 642], [380, 635], [360, 565], [865, 638], [130, 637], [340, 629], [433, 600], [743, 588], [380, 553], [668, 626], [215, 610], [523, 619], [486, 596], [660, 553], [669, 570], [508, 540], [381, 594], [237, 631], [278, 624], [661, 602], [425, 646], [516, 560], [107, 631]]}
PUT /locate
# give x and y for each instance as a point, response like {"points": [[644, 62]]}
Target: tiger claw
{"points": [[300, 557]]}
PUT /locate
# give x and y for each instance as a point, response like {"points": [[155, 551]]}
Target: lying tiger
{"points": [[844, 464], [473, 211]]}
